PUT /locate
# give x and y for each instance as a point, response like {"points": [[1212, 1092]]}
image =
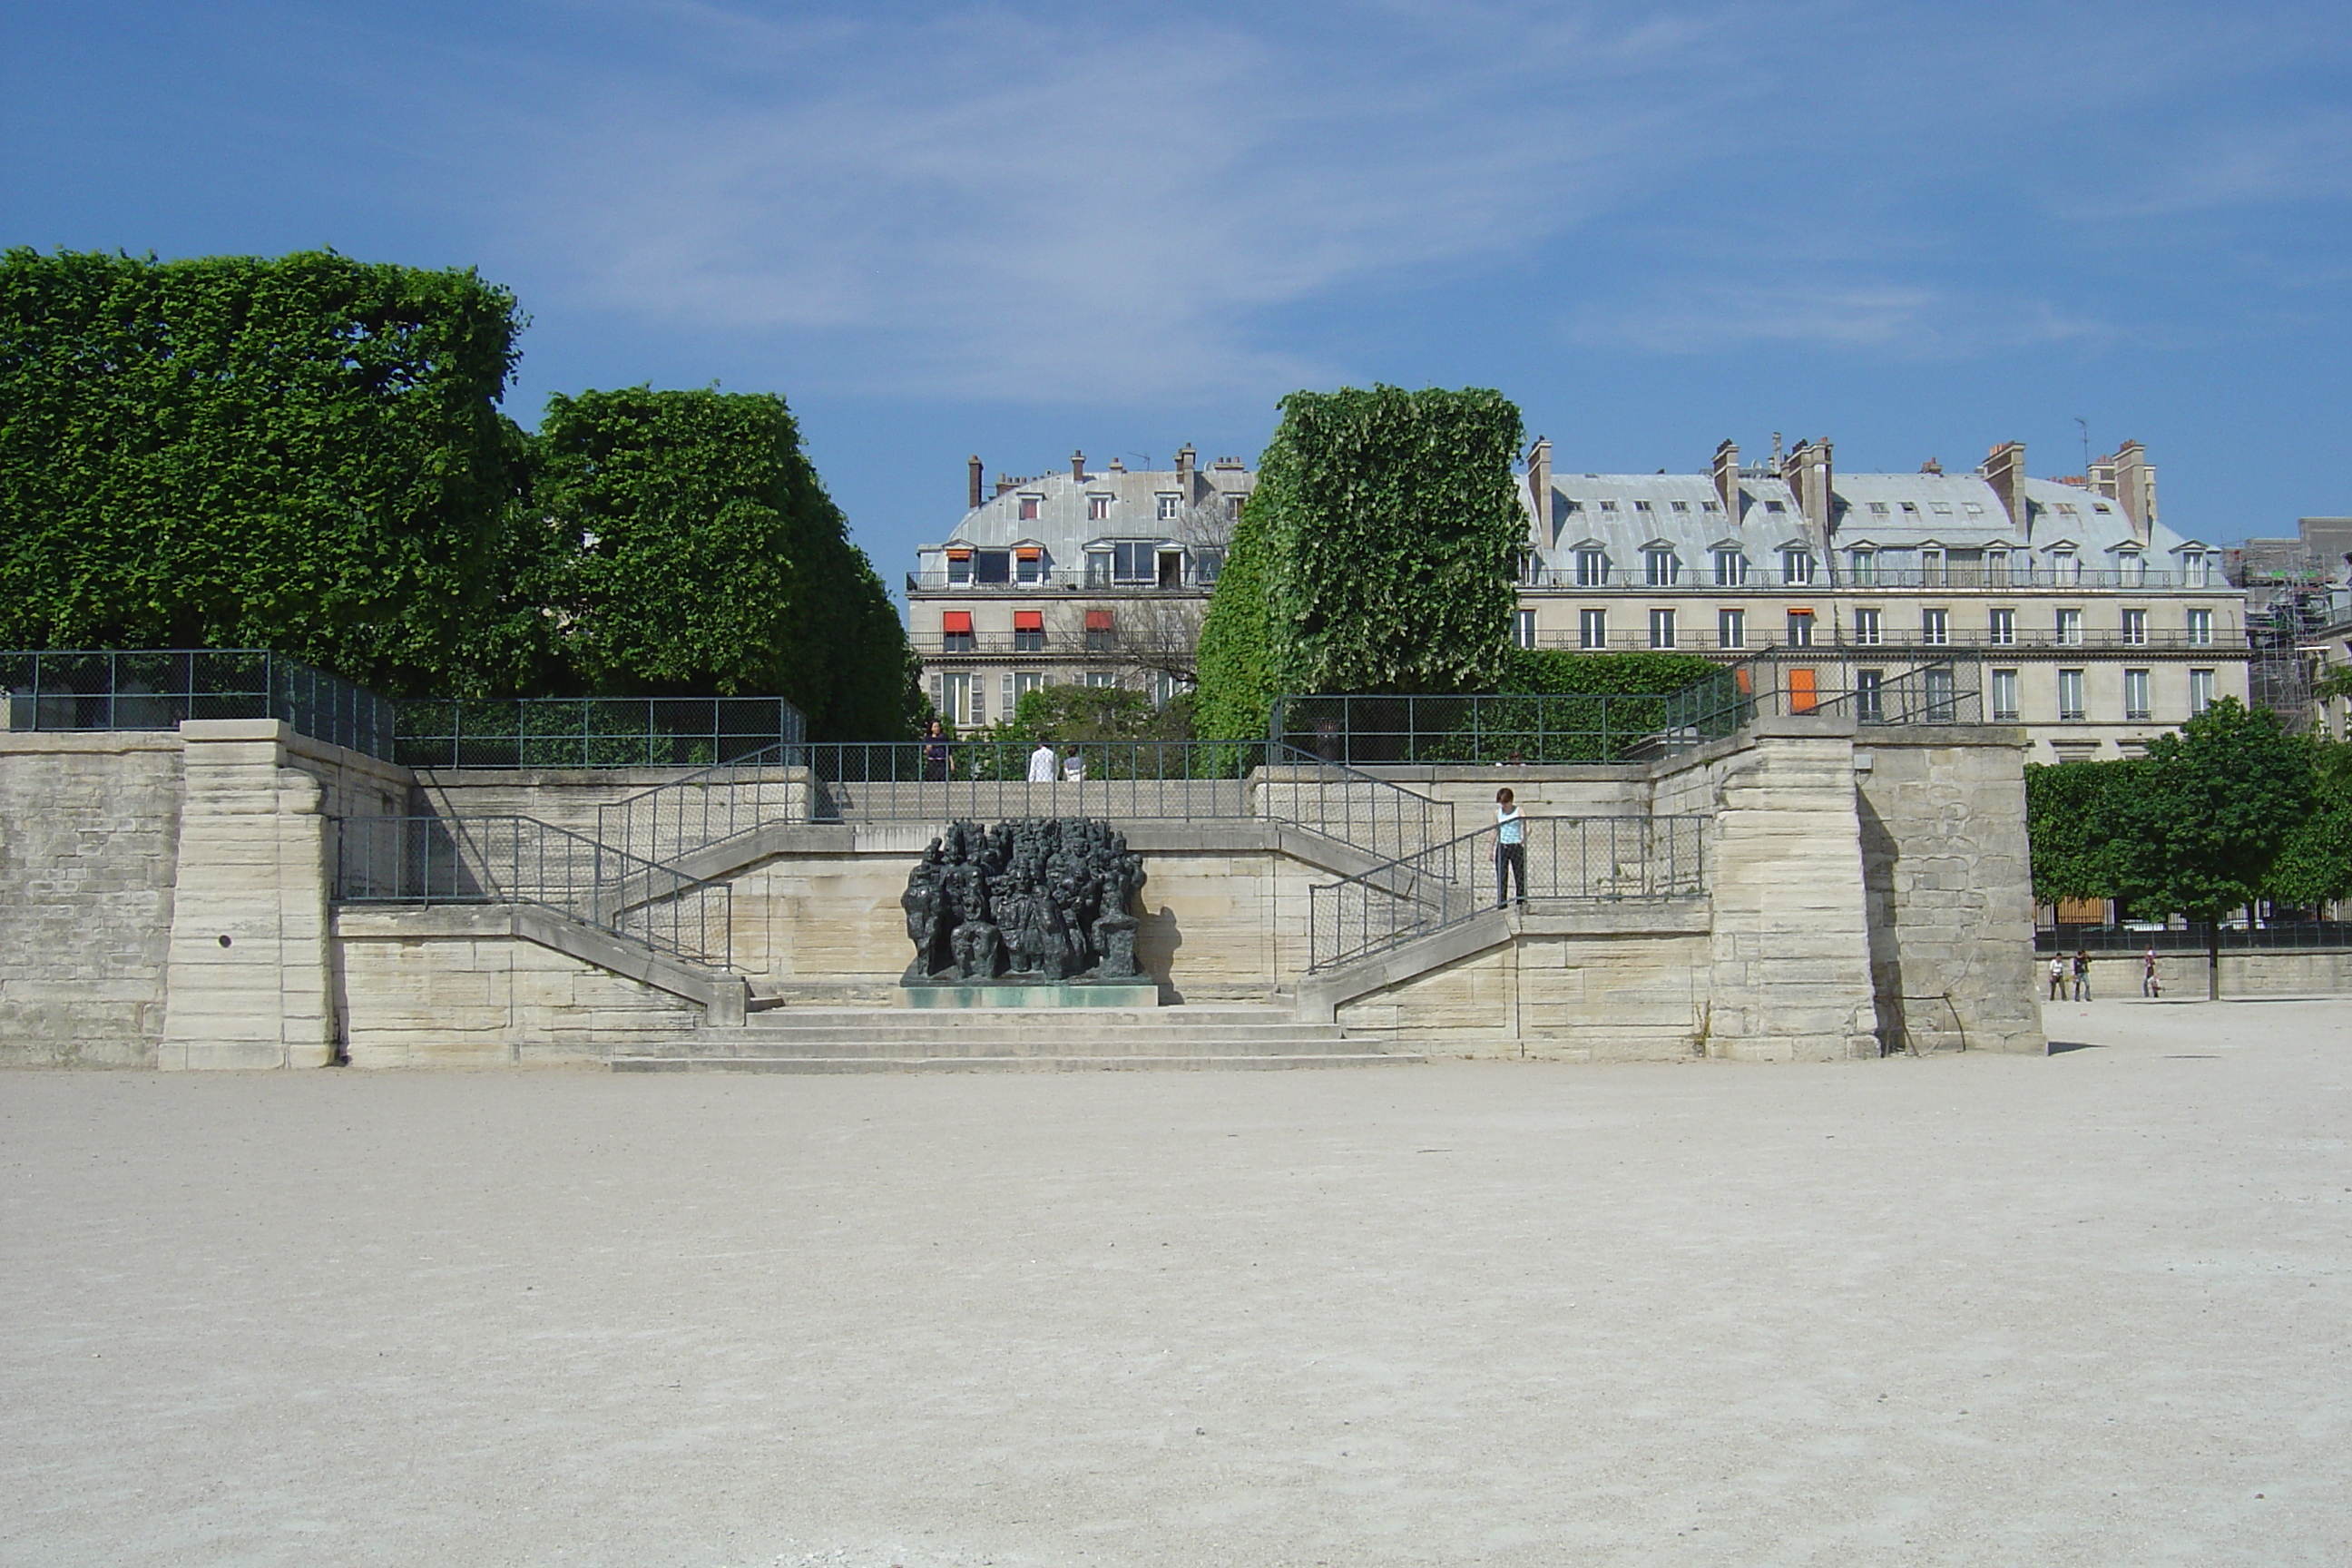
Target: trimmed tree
{"points": [[2207, 813], [2071, 817], [694, 550], [2315, 867], [302, 454], [1376, 554]]}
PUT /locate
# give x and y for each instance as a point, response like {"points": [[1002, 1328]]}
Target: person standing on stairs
{"points": [[1510, 848]]}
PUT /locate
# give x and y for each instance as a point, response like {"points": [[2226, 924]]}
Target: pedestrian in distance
{"points": [[1510, 848], [1074, 767], [2150, 985], [935, 752], [2083, 974], [2058, 977], [1044, 767]]}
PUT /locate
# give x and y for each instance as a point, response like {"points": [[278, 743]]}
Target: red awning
{"points": [[960, 553], [955, 620], [1028, 620], [1027, 552], [1098, 620]]}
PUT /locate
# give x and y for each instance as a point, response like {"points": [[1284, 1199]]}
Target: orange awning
{"points": [[1027, 552], [955, 620], [1098, 620], [1028, 620], [960, 555], [1802, 697]]}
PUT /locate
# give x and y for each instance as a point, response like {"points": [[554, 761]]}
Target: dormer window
{"points": [[1731, 569], [1682, 506], [1576, 506], [1029, 505], [1169, 505], [1592, 569], [1660, 568], [959, 567], [1098, 509], [1878, 508], [1910, 509], [1796, 567], [1132, 562], [1972, 509], [1940, 508], [2101, 508], [2196, 569], [1642, 506], [1775, 507], [1234, 507], [1710, 506], [1609, 506], [1029, 564], [1864, 564]]}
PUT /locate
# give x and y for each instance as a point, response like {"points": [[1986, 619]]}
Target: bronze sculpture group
{"points": [[1041, 901]]}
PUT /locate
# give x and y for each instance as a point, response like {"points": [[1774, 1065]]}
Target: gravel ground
{"points": [[1979, 1310]]}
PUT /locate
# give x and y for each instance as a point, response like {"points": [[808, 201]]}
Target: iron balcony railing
{"points": [[520, 860], [2236, 937], [1799, 682], [1694, 637], [1636, 578], [1569, 860], [1059, 582], [156, 688], [593, 731]]}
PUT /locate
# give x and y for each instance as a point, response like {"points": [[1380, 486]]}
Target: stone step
{"points": [[1258, 1061], [1289, 1041]]}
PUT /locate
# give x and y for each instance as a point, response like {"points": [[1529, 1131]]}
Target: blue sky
{"points": [[1019, 228]]}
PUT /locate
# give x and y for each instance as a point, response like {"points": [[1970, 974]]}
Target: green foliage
{"points": [[704, 556], [1068, 714], [2336, 682], [1375, 556], [1603, 674], [2072, 811], [303, 454], [2208, 812], [2315, 867]]}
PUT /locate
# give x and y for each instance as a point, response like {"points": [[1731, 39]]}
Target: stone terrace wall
{"points": [[90, 837]]}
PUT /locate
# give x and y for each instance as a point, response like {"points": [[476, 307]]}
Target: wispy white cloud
{"points": [[2303, 158], [1904, 321]]}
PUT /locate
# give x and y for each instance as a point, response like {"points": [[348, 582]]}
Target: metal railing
{"points": [[593, 731], [711, 806], [156, 688], [1796, 682], [1573, 859], [521, 860], [1543, 727], [2236, 937], [1636, 578]]}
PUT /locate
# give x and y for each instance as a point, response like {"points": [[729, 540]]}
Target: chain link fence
{"points": [[156, 688]]}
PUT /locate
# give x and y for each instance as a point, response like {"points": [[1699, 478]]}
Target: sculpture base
{"points": [[1143, 994]]}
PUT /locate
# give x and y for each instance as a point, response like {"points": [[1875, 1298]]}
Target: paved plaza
{"points": [[2091, 1309]]}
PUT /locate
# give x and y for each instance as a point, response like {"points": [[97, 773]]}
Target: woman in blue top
{"points": [[1510, 848]]}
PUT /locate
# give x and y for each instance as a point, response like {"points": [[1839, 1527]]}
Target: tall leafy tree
{"points": [[2315, 867], [302, 453], [2073, 814], [2208, 812], [695, 550], [1375, 556]]}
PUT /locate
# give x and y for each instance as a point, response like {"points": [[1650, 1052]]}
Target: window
{"points": [[1730, 568], [956, 696], [1592, 569], [1910, 509], [1025, 681], [2136, 694], [1097, 508], [991, 567], [1682, 506], [1864, 567], [2196, 569], [1234, 507], [2070, 628], [1936, 685], [2101, 508], [1101, 678], [1028, 631], [2002, 629], [1934, 627], [1940, 508], [1523, 627], [1029, 505], [1097, 568], [1878, 508], [1609, 506], [1972, 509], [959, 568], [2064, 566], [1868, 686], [2201, 628], [1171, 569], [1796, 567], [1661, 628], [1866, 627], [1169, 505], [1132, 563], [2200, 691], [1029, 565], [2135, 628], [2004, 695], [2132, 567], [2070, 695], [1662, 566], [1710, 506], [1640, 506], [1731, 628], [1591, 628], [955, 631], [1996, 567], [1801, 628], [1102, 633], [1776, 507], [1207, 564], [1931, 568]]}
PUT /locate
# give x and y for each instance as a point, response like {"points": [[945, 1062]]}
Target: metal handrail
{"points": [[156, 689]]}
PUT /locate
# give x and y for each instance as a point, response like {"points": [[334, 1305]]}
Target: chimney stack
{"points": [[1932, 466], [1777, 471], [1807, 468], [1185, 458], [2135, 487], [1726, 478], [1077, 468], [972, 471], [1540, 488], [1005, 482], [2004, 470]]}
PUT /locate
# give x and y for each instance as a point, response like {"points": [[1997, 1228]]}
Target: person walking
{"points": [[1044, 765], [2150, 985], [1074, 767], [2083, 974], [2058, 977], [935, 751], [1510, 848]]}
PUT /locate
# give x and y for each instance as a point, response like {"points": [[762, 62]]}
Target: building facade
{"points": [[1082, 577], [2090, 622]]}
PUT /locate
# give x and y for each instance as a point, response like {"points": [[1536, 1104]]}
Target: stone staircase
{"points": [[906, 1040]]}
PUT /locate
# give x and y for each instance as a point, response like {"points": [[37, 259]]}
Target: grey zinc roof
{"points": [[1062, 525]]}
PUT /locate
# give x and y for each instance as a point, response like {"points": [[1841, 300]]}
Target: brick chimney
{"points": [[1077, 468], [1726, 478], [1005, 482], [1807, 470], [2135, 487], [1540, 488], [978, 483], [1186, 459], [2004, 470]]}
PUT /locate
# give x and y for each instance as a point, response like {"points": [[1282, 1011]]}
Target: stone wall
{"points": [[89, 833], [2262, 972]]}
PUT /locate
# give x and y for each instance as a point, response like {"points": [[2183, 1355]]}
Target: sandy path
{"points": [[2087, 1310]]}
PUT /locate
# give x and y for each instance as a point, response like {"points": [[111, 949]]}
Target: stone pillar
{"points": [[248, 968], [1790, 969]]}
